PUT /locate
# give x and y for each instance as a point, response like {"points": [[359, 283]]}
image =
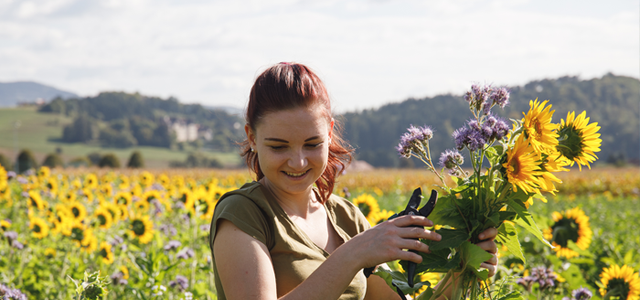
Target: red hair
{"points": [[287, 86]]}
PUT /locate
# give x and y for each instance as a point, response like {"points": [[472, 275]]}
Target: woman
{"points": [[281, 238]]}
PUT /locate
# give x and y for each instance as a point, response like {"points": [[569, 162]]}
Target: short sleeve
{"points": [[244, 214], [348, 216]]}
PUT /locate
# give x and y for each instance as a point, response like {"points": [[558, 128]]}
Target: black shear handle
{"points": [[425, 211]]}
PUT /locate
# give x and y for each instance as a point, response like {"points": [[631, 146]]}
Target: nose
{"points": [[298, 160]]}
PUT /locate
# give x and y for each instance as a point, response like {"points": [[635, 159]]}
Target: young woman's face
{"points": [[292, 147]]}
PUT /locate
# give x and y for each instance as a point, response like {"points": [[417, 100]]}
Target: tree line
{"points": [[123, 120], [612, 101]]}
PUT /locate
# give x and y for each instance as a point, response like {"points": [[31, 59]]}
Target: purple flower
{"points": [[17, 245], [411, 140], [11, 294], [11, 174], [168, 229], [460, 136], [205, 227], [11, 235], [117, 278], [582, 294], [181, 282], [117, 240], [185, 253], [500, 97], [172, 245], [451, 158]]}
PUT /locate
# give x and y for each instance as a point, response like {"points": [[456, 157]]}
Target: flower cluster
{"points": [[11, 294], [580, 294], [482, 98], [545, 277], [479, 134], [414, 140]]}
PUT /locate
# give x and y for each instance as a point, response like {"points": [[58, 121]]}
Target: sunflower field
{"points": [[143, 234]]}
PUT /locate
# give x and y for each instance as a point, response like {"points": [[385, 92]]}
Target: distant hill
{"points": [[11, 93], [612, 101]]}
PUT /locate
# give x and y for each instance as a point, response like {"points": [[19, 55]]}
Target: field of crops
{"points": [[146, 232]]}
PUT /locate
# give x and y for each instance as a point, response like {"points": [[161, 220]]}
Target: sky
{"points": [[369, 53]]}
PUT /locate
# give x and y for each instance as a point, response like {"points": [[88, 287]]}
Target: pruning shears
{"points": [[412, 209]]}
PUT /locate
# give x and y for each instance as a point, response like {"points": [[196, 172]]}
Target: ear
{"points": [[250, 136]]}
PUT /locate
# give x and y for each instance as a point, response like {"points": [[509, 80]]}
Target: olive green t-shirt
{"points": [[254, 210]]}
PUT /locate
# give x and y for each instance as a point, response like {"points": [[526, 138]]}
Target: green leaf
{"points": [[451, 238], [511, 296], [526, 221], [472, 255], [572, 245], [507, 215], [426, 295], [406, 289], [508, 236]]}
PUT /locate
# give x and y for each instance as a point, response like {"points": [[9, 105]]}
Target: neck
{"points": [[295, 205]]}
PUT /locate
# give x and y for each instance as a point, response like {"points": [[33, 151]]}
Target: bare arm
{"points": [[246, 270]]}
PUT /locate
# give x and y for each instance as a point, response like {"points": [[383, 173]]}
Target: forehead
{"points": [[302, 121]]}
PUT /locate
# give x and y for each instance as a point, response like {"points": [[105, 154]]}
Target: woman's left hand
{"points": [[486, 243]]}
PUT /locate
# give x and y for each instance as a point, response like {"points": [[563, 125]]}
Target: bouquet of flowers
{"points": [[511, 167]]}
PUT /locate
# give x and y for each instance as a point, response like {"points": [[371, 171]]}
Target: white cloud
{"points": [[368, 52]]}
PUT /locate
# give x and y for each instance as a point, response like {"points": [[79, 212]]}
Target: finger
{"points": [[489, 246], [418, 232], [410, 256], [405, 221], [488, 234], [491, 268], [412, 244]]}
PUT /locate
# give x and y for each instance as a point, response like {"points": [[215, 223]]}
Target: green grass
{"points": [[41, 133]]}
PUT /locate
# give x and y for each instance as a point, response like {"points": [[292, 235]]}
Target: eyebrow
{"points": [[286, 142]]}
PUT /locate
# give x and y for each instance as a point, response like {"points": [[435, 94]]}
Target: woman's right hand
{"points": [[388, 241]]}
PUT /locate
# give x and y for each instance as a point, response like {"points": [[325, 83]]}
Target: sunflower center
{"points": [[122, 200], [37, 229], [204, 205], [183, 199], [77, 234], [102, 219], [618, 287], [138, 227], [364, 208], [565, 230], [570, 142], [75, 211], [103, 252]]}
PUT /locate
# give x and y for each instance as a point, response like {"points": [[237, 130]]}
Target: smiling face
{"points": [[293, 148]]}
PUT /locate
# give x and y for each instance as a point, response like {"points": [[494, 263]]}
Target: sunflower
{"points": [[186, 197], [136, 190], [382, 216], [620, 281], [114, 210], [52, 185], [44, 172], [572, 225], [205, 205], [178, 181], [124, 182], [164, 180], [39, 228], [105, 252], [78, 211], [50, 253], [142, 228], [35, 200], [90, 244], [4, 225], [148, 196], [106, 189], [431, 277], [88, 194], [90, 181], [538, 127], [141, 206], [125, 272], [579, 140], [522, 167], [368, 206], [124, 212], [146, 178], [69, 196], [77, 231], [123, 198], [104, 217], [551, 163]]}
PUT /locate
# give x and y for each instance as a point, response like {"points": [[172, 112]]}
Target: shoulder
{"points": [[347, 215], [248, 209]]}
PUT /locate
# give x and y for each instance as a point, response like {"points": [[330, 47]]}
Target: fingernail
{"points": [[481, 236]]}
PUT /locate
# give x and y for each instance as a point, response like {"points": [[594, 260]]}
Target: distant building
{"points": [[37, 102], [187, 131]]}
